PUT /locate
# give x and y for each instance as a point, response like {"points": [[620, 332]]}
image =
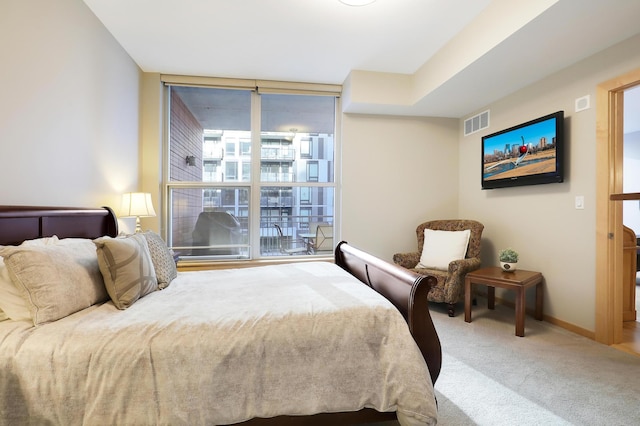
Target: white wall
{"points": [[69, 107], [397, 172], [541, 221]]}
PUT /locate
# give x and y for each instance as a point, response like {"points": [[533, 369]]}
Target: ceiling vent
{"points": [[476, 123]]}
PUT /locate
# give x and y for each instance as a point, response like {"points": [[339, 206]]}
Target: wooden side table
{"points": [[518, 280]]}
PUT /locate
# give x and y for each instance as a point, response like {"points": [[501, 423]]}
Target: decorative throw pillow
{"points": [[127, 268], [442, 247], [54, 280], [163, 262]]}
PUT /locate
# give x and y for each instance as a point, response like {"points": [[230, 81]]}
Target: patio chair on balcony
{"points": [[289, 245], [324, 238]]}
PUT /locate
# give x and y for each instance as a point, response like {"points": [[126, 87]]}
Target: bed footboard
{"points": [[406, 289]]}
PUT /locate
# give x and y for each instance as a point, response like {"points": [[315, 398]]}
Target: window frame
{"points": [[255, 184]]}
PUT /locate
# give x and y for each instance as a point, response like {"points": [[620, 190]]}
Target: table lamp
{"points": [[137, 204]]}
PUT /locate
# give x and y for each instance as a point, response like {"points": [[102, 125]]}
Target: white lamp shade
{"points": [[137, 204]]}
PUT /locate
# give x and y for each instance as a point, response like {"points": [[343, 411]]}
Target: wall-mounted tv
{"points": [[530, 153]]}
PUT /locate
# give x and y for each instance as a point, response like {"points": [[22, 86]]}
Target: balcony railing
{"points": [[216, 153], [298, 230], [276, 177], [278, 153]]}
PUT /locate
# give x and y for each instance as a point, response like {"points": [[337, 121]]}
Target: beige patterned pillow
{"points": [[127, 268], [162, 259], [55, 280]]}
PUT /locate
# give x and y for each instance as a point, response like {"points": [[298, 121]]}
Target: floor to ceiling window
{"points": [[250, 173]]}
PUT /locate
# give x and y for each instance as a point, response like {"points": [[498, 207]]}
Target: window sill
{"points": [[190, 265]]}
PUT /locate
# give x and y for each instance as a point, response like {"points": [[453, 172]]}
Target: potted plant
{"points": [[508, 259]]}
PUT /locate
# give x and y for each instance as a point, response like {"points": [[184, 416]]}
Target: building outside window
{"points": [[262, 159]]}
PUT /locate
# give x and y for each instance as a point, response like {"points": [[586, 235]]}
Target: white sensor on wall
{"points": [[583, 103]]}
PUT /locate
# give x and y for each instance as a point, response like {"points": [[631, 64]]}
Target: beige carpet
{"points": [[549, 377]]}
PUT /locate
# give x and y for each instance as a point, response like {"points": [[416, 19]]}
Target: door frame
{"points": [[609, 180]]}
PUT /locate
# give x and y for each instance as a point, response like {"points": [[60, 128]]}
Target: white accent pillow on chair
{"points": [[442, 247]]}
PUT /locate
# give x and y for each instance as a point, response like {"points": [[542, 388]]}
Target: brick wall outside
{"points": [[186, 139]]}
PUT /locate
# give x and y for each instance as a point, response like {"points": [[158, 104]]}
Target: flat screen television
{"points": [[530, 153]]}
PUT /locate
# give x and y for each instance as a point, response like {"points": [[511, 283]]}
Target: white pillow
{"points": [[12, 304], [39, 242], [442, 247], [55, 280]]}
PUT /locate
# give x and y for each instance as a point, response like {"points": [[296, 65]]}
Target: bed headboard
{"points": [[19, 223]]}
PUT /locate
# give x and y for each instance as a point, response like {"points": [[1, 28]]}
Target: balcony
{"points": [[278, 154], [215, 153], [277, 177]]}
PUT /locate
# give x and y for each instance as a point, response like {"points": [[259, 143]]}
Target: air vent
{"points": [[476, 123]]}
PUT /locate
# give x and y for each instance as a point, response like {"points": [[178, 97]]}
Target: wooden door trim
{"points": [[609, 155]]}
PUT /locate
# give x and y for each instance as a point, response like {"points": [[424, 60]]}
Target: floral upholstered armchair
{"points": [[448, 256]]}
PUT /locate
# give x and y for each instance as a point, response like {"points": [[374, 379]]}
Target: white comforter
{"points": [[219, 347]]}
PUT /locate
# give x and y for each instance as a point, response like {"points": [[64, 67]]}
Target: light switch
{"points": [[579, 202]]}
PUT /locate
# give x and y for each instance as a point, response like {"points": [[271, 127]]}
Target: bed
{"points": [[301, 343]]}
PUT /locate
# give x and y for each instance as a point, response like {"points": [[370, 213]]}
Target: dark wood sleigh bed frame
{"points": [[405, 289]]}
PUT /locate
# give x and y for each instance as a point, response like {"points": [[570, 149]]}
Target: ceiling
{"points": [[323, 41]]}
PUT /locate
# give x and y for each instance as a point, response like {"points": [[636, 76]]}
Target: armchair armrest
{"points": [[407, 260], [462, 266]]}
